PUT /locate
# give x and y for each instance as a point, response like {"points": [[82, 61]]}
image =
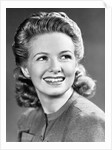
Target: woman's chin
{"points": [[54, 93]]}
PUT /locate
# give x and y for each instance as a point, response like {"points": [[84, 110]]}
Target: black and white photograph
{"points": [[50, 79], [55, 75]]}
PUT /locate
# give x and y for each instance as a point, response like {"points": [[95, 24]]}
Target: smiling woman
{"points": [[48, 48]]}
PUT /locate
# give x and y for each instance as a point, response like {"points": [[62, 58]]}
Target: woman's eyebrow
{"points": [[40, 53], [66, 51]]}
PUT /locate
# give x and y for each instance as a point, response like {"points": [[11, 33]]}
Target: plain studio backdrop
{"points": [[92, 24]]}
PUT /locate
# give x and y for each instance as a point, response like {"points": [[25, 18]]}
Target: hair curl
{"points": [[41, 23]]}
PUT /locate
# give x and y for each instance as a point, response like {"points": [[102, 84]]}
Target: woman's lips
{"points": [[54, 80]]}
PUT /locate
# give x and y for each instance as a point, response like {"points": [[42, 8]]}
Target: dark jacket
{"points": [[79, 120]]}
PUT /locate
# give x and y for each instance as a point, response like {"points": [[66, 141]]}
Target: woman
{"points": [[52, 83]]}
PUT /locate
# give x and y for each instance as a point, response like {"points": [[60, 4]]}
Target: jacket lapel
{"points": [[27, 137]]}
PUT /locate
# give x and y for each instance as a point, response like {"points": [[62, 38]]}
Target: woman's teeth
{"points": [[54, 80]]}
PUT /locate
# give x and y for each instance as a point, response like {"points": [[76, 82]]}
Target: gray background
{"points": [[92, 24]]}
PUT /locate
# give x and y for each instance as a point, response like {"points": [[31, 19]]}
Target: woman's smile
{"points": [[54, 80]]}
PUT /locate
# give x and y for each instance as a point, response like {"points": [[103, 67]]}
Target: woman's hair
{"points": [[38, 24]]}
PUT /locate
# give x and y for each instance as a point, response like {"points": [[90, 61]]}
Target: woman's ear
{"points": [[80, 70], [76, 67], [25, 72]]}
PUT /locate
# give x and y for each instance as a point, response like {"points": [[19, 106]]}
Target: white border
{"points": [[51, 145], [54, 4]]}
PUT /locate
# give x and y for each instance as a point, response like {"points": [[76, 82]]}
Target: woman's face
{"points": [[51, 64]]}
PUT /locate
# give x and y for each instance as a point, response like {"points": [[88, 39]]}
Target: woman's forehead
{"points": [[50, 42]]}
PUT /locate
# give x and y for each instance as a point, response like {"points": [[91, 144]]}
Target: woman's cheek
{"points": [[37, 70], [70, 70]]}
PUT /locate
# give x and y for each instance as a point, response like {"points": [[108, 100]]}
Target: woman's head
{"points": [[53, 34]]}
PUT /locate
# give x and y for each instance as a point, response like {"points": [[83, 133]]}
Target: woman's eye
{"points": [[65, 57], [42, 58]]}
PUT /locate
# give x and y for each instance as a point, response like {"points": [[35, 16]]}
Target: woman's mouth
{"points": [[54, 80]]}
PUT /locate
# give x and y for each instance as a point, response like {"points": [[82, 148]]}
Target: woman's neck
{"points": [[52, 104]]}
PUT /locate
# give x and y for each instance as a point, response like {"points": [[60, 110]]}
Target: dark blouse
{"points": [[78, 120]]}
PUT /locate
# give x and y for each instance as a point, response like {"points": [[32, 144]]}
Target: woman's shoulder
{"points": [[86, 128], [88, 121], [26, 118], [86, 108]]}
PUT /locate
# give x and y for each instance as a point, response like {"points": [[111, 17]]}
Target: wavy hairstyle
{"points": [[38, 24]]}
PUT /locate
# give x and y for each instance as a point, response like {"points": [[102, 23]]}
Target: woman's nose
{"points": [[55, 66]]}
